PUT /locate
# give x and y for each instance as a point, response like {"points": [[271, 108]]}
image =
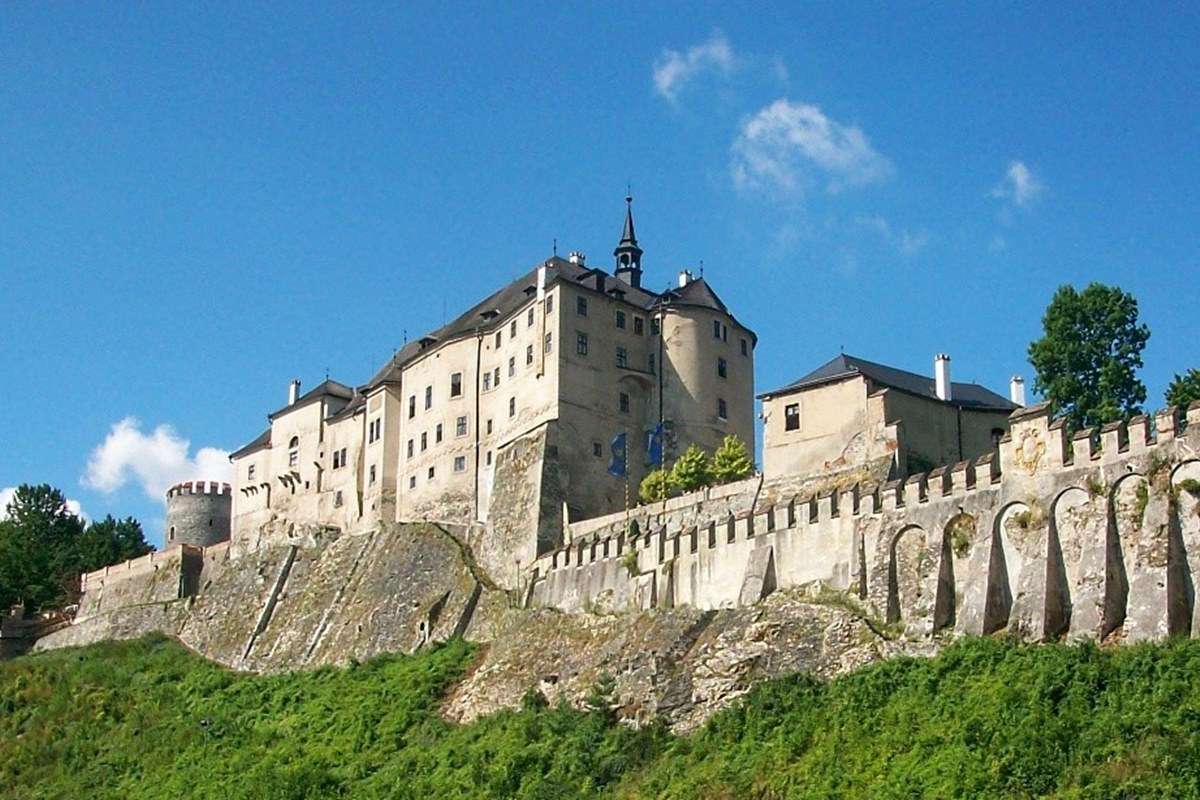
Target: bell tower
{"points": [[628, 254]]}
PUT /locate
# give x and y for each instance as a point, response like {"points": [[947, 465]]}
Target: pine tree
{"points": [[691, 471], [1185, 389], [731, 462]]}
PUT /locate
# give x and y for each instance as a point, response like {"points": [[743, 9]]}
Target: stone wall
{"points": [[1052, 536]]}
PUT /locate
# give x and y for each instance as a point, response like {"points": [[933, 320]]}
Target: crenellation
{"points": [[892, 495], [1139, 434], [1058, 445], [1166, 424], [962, 477], [1114, 442], [1193, 413]]}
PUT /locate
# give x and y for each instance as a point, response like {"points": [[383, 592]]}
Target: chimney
{"points": [[941, 374], [541, 283], [685, 277], [576, 257], [1016, 390], [293, 392]]}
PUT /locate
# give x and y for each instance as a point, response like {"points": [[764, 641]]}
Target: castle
{"points": [[465, 491]]}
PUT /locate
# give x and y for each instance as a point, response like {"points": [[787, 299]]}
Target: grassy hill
{"points": [[146, 719]]}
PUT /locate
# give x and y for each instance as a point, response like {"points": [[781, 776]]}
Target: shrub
{"points": [[656, 486], [691, 471], [732, 461]]}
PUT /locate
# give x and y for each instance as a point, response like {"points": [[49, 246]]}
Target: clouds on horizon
{"points": [[673, 70], [155, 461], [787, 147]]}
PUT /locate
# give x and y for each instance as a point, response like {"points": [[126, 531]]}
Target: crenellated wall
{"points": [[1082, 537]]}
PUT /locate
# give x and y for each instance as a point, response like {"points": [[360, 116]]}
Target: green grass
{"points": [[146, 719]]}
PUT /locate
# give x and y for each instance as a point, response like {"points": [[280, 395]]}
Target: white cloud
{"points": [[1019, 185], [787, 146], [155, 460], [907, 242], [674, 69], [6, 496]]}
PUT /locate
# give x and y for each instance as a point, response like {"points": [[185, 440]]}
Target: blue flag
{"points": [[654, 445], [616, 467]]}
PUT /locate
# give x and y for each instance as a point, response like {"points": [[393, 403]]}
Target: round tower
{"points": [[198, 513]]}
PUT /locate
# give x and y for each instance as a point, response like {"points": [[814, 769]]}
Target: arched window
{"points": [[294, 452]]}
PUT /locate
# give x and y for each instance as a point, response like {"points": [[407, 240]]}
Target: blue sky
{"points": [[197, 205]]}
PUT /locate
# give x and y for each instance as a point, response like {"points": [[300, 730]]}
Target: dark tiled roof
{"points": [[966, 395], [512, 297], [260, 441], [326, 388]]}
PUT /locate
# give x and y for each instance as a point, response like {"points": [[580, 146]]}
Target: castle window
{"points": [[412, 406], [337, 459], [437, 434], [412, 481], [337, 499], [722, 368], [655, 326], [171, 536], [431, 473], [745, 347], [722, 411], [343, 452], [489, 427], [512, 406], [512, 330], [489, 458], [250, 472], [456, 385], [487, 381], [496, 377], [294, 451], [623, 403], [371, 475], [499, 338], [620, 319], [512, 366], [460, 426], [424, 442], [724, 333], [528, 355], [597, 450], [549, 304], [581, 306], [460, 463], [639, 326], [581, 343], [428, 397], [716, 329], [791, 417], [410, 448], [650, 363], [549, 342], [529, 320], [622, 357]]}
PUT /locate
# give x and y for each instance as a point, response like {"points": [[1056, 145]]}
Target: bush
{"points": [[732, 461], [691, 471], [656, 486]]}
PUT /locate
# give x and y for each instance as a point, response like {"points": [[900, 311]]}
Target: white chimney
{"points": [[541, 283], [1016, 390], [685, 277], [293, 392], [576, 257], [941, 374]]}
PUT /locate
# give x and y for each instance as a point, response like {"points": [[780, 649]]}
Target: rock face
{"points": [[1076, 539], [328, 599]]}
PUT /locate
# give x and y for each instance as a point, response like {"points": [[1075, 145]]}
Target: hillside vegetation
{"points": [[147, 719]]}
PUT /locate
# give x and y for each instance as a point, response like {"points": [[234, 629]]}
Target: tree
{"points": [[1089, 354], [1185, 389], [656, 486], [731, 461], [691, 471], [44, 546]]}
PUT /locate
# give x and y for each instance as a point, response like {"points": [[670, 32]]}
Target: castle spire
{"points": [[628, 254]]}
